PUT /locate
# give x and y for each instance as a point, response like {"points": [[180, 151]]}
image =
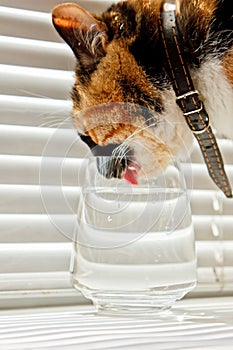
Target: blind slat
{"points": [[215, 253], [212, 227], [197, 176], [26, 140], [34, 257], [35, 53], [31, 228], [26, 170], [16, 199], [32, 111], [210, 203], [37, 280], [26, 24], [46, 6], [38, 82]]}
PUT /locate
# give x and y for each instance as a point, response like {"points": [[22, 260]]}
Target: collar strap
{"points": [[188, 100]]}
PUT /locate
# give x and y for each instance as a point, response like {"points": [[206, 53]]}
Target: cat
{"points": [[123, 100]]}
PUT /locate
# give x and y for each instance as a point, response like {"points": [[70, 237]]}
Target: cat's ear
{"points": [[83, 33]]}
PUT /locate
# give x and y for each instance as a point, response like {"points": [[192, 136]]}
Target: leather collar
{"points": [[188, 99]]}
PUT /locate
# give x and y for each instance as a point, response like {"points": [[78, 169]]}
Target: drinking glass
{"points": [[134, 247]]}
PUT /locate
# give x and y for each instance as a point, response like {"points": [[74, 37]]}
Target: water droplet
{"points": [[218, 256], [109, 218], [217, 204], [215, 229]]}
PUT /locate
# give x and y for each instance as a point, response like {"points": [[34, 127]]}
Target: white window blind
{"points": [[37, 140]]}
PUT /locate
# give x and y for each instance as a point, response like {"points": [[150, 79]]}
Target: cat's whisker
{"points": [[51, 118], [141, 128], [54, 123], [120, 151], [48, 121], [57, 118], [125, 143], [29, 93]]}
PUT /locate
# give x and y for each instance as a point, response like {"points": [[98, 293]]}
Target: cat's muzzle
{"points": [[118, 167], [111, 162], [114, 161]]}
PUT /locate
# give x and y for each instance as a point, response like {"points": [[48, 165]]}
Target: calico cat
{"points": [[123, 100]]}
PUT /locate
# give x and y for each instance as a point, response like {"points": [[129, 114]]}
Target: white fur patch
{"points": [[217, 95], [172, 138], [173, 129]]}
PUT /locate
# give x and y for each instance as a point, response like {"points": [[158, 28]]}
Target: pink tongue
{"points": [[131, 174]]}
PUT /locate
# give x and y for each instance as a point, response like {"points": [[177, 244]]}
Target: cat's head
{"points": [[122, 99]]}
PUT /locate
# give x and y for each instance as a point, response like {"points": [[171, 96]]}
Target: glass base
{"points": [[136, 303]]}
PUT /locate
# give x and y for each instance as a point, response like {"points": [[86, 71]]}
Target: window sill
{"points": [[192, 324]]}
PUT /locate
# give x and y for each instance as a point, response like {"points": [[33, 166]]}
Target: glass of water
{"points": [[134, 248]]}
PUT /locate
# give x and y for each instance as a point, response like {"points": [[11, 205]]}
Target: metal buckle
{"points": [[189, 93], [201, 130], [197, 110], [194, 111]]}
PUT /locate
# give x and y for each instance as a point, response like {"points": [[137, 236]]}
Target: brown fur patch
{"points": [[107, 87], [201, 13], [110, 122], [107, 84]]}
